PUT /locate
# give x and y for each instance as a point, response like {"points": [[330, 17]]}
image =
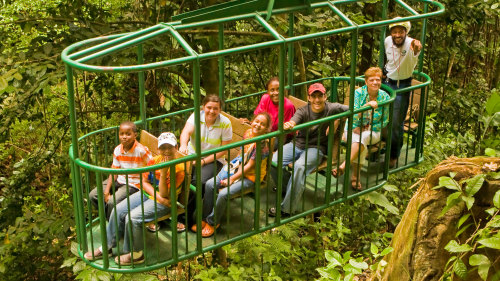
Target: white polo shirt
{"points": [[400, 61], [213, 136]]}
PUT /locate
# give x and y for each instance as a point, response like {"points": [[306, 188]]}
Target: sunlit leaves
{"points": [[454, 247]]}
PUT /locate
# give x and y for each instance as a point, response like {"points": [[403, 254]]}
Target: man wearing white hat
{"points": [[402, 56]]}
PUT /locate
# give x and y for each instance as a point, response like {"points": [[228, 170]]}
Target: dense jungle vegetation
{"points": [[36, 212]]}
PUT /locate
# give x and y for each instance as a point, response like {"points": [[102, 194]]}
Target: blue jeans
{"points": [[293, 194], [123, 222], [401, 104], [214, 214]]}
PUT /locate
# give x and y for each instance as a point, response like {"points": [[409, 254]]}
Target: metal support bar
{"points": [[126, 44]]}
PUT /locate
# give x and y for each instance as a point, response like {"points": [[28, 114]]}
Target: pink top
{"points": [[267, 105]]}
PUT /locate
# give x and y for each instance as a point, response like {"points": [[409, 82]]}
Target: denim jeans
{"points": [[132, 225], [291, 201], [214, 214], [401, 104]]}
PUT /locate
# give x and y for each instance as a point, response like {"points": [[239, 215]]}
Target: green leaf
{"points": [[474, 184], [462, 220], [493, 103], [496, 199], [491, 211], [454, 247], [349, 268], [380, 199], [460, 269], [469, 201], [333, 258], [483, 264], [495, 222], [463, 229], [373, 249], [490, 152], [47, 48], [79, 266], [483, 270], [346, 256], [494, 175], [329, 274], [478, 259], [360, 265], [449, 183], [69, 262], [493, 242], [451, 259], [453, 174], [390, 187], [3, 84], [349, 277], [387, 251], [451, 201]]}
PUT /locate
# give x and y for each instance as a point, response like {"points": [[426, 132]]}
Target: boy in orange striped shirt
{"points": [[127, 155]]}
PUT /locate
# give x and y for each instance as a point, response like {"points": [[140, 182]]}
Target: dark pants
{"points": [[207, 172], [120, 193], [401, 104]]}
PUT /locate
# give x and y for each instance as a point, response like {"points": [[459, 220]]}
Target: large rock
{"points": [[421, 236]]}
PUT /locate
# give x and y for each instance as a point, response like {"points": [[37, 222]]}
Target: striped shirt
{"points": [[138, 156], [213, 136]]}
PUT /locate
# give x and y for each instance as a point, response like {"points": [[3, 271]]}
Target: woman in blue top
{"points": [[367, 126]]}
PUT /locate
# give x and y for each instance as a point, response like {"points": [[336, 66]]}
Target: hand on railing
{"points": [[373, 104], [289, 125]]}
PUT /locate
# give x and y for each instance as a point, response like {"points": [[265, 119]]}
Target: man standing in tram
{"points": [[304, 151], [402, 56]]}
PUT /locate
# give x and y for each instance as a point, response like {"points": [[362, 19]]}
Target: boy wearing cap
{"points": [[306, 143], [167, 143], [402, 56]]}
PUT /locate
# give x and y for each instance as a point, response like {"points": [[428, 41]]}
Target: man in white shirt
{"points": [[402, 56]]}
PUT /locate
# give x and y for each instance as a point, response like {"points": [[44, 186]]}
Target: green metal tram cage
{"points": [[89, 153]]}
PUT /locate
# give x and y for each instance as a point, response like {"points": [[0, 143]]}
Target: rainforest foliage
{"points": [[36, 211]]}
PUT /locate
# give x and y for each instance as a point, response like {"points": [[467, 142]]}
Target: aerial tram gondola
{"points": [[90, 153]]}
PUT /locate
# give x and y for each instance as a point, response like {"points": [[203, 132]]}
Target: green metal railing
{"points": [[90, 154]]}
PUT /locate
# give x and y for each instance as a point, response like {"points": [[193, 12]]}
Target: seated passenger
{"points": [[368, 132], [235, 178], [270, 103], [119, 219], [127, 155], [215, 131], [306, 144]]}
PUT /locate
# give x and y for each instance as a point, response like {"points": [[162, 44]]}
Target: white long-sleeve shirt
{"points": [[401, 61]]}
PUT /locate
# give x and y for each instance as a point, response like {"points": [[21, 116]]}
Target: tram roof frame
{"points": [[115, 43]]}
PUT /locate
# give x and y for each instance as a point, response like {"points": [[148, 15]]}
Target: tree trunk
{"points": [[209, 68], [422, 234], [368, 40], [301, 67]]}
